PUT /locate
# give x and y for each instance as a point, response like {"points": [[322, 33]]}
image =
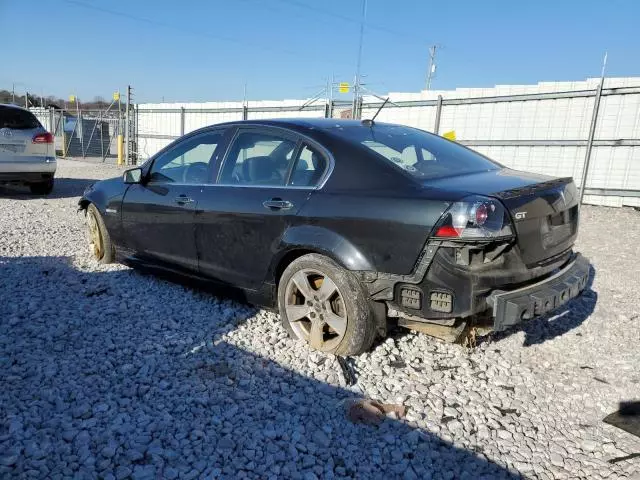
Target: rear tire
{"points": [[99, 239], [325, 305], [41, 188]]}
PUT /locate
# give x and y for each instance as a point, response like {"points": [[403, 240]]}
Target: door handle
{"points": [[277, 204], [183, 199]]}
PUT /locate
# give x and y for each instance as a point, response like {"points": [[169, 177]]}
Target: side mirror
{"points": [[133, 175]]}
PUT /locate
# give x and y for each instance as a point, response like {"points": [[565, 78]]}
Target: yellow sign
{"points": [[72, 98], [450, 135], [343, 87], [116, 96]]}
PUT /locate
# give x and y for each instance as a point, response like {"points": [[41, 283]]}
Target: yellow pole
{"points": [[120, 151], [120, 142]]}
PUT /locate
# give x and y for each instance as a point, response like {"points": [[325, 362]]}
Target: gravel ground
{"points": [[108, 373]]}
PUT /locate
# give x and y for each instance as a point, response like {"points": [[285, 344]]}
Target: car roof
{"points": [[305, 123], [11, 105]]}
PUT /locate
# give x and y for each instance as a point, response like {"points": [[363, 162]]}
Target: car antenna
{"points": [[369, 122]]}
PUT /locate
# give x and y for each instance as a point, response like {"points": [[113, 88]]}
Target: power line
{"points": [[223, 38], [345, 18], [356, 83]]}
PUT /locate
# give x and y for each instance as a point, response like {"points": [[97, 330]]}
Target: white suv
{"points": [[27, 152]]}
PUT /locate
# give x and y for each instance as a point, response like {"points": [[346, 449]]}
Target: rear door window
{"points": [[17, 119], [258, 158]]}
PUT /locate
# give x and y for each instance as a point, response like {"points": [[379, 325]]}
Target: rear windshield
{"points": [[17, 118], [418, 153]]}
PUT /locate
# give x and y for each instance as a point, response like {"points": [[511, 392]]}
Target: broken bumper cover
{"points": [[515, 306]]}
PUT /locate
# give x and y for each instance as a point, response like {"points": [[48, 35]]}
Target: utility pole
{"points": [[356, 83], [432, 65], [13, 93]]}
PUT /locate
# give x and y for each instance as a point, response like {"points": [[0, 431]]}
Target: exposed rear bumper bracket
{"points": [[515, 306]]}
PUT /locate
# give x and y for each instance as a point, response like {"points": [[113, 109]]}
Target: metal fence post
{"points": [[182, 121], [101, 136], [436, 125], [328, 109], [358, 108], [80, 130], [592, 133], [135, 135]]}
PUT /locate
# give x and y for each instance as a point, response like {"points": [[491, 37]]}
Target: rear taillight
{"points": [[43, 138], [474, 218]]}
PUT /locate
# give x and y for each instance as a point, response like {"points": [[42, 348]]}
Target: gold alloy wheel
{"points": [[315, 309], [95, 239]]}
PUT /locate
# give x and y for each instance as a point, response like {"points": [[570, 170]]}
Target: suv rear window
{"points": [[17, 119], [421, 154]]}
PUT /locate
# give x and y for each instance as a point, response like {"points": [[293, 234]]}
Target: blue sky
{"points": [[206, 50]]}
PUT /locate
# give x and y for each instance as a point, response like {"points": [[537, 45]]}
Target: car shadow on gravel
{"points": [[112, 373], [548, 327], [63, 188]]}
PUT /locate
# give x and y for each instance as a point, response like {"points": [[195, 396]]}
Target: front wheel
{"points": [[326, 306], [99, 239]]}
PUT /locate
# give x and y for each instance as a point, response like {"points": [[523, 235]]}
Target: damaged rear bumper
{"points": [[514, 306]]}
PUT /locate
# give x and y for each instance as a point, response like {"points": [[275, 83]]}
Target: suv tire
{"points": [[41, 188]]}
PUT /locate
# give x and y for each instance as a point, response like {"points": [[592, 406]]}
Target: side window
{"points": [[187, 162], [257, 158], [309, 168]]}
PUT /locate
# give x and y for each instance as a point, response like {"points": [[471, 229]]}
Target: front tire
{"points": [[325, 305], [99, 239], [41, 188]]}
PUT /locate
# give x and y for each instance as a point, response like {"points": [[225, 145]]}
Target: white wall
{"points": [[168, 123], [565, 119]]}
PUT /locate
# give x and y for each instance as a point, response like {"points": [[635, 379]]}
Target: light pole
{"points": [[432, 65], [356, 83]]}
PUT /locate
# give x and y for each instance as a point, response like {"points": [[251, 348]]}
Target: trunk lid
{"points": [[543, 209]]}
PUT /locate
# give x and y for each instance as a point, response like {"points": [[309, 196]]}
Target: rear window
{"points": [[418, 153], [17, 119]]}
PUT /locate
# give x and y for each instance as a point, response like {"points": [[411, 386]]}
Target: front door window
{"points": [[188, 162]]}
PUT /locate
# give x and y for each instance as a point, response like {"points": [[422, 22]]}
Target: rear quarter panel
{"points": [[387, 230], [379, 212]]}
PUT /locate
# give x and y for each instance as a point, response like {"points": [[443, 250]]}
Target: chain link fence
{"points": [[87, 133]]}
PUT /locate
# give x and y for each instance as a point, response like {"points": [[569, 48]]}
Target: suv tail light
{"points": [[474, 218], [43, 138]]}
